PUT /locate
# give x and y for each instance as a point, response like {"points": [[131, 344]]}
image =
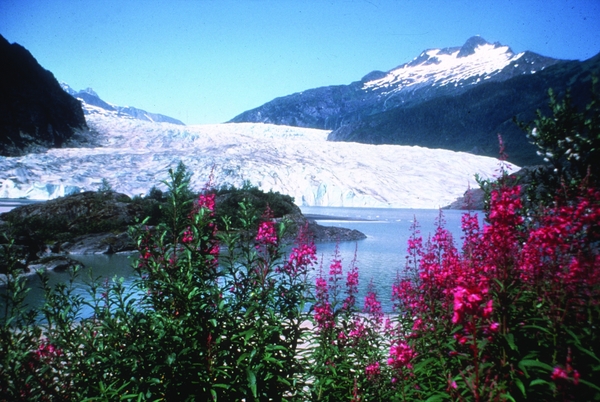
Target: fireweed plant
{"points": [[220, 313], [216, 314], [514, 315]]}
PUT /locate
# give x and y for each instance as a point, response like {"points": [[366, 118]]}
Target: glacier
{"points": [[135, 155]]}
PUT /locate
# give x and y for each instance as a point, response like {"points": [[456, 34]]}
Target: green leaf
{"points": [[543, 329], [589, 384], [242, 358], [251, 381], [510, 339], [539, 381], [521, 387], [438, 397], [534, 363]]}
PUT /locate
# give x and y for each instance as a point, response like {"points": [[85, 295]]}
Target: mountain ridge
{"points": [[93, 104], [382, 107]]}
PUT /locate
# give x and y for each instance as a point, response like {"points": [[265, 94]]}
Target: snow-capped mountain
{"points": [[457, 98], [134, 155], [435, 72], [455, 67], [92, 104]]}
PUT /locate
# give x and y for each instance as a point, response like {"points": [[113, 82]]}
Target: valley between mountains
{"points": [[412, 137]]}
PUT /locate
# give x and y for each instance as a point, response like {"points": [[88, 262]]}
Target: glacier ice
{"points": [[136, 155]]}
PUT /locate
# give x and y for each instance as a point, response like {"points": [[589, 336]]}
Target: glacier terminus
{"points": [[135, 155]]}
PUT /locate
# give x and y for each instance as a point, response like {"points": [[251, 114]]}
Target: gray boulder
{"points": [[97, 243]]}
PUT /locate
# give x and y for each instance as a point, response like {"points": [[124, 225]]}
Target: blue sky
{"points": [[206, 61]]}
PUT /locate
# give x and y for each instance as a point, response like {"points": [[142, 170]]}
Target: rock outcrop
{"points": [[98, 222], [83, 223], [35, 113], [57, 263]]}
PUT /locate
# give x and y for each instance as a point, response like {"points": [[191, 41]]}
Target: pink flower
{"points": [[401, 355], [489, 308], [351, 288], [559, 373], [266, 234], [335, 269], [188, 237], [207, 201], [372, 371], [324, 316], [358, 330], [303, 255], [373, 306]]}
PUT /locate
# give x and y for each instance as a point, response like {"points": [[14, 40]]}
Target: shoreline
{"points": [[317, 217]]}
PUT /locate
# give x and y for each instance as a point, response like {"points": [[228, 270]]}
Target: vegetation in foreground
{"points": [[512, 314]]}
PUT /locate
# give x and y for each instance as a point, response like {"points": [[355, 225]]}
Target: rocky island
{"points": [[45, 234]]}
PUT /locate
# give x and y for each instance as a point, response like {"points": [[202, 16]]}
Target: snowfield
{"points": [[135, 155], [440, 68]]}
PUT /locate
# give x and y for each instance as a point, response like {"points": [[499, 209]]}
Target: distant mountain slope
{"points": [[456, 98], [92, 104], [472, 120], [34, 111]]}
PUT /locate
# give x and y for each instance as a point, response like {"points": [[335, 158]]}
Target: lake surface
{"points": [[379, 257]]}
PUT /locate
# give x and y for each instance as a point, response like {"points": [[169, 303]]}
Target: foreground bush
{"points": [[215, 315], [514, 315]]}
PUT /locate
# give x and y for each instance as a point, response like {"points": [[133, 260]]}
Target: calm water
{"points": [[379, 257]]}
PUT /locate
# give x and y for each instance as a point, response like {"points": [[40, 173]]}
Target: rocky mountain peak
{"points": [[457, 98], [90, 91], [471, 45]]}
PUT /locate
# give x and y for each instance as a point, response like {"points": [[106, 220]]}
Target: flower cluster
{"points": [[188, 236], [266, 235], [373, 371], [302, 256], [373, 305], [323, 311], [470, 302], [401, 356]]}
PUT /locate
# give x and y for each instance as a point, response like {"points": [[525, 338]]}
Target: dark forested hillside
{"points": [[34, 110]]}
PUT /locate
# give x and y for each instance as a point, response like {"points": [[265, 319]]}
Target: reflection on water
{"points": [[379, 257]]}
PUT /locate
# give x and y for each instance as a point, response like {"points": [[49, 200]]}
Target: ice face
{"points": [[136, 155]]}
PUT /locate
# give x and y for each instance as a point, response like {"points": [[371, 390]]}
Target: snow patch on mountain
{"points": [[440, 67], [135, 155]]}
